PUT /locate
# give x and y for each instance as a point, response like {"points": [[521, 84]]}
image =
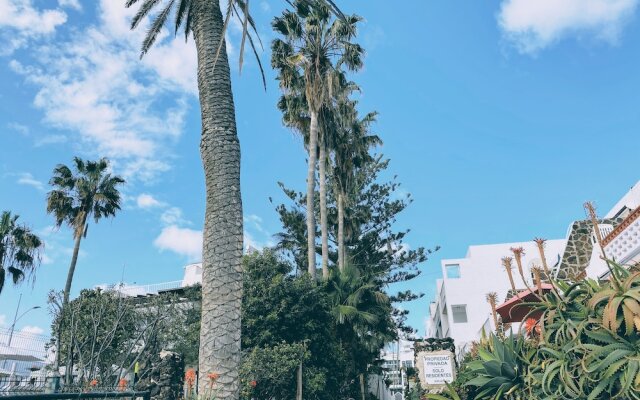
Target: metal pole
{"points": [[15, 318]]}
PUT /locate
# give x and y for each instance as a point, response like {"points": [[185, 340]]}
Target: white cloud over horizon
{"points": [[182, 241], [531, 26]]}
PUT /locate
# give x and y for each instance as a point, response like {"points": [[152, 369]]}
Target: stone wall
{"points": [[577, 254]]}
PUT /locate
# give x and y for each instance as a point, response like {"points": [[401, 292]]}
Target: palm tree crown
{"points": [[314, 49], [19, 249], [89, 191]]}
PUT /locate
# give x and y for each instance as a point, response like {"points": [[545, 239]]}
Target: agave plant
{"points": [[621, 301], [500, 368]]}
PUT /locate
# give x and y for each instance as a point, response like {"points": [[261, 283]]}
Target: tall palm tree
{"points": [[19, 249], [352, 144], [314, 46], [220, 153], [89, 191]]}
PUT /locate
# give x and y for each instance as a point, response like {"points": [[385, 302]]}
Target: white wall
{"points": [[481, 272]]}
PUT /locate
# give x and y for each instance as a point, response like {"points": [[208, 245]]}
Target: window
{"points": [[453, 271], [459, 313], [407, 363]]}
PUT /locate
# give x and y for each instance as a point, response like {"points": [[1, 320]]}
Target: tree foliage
{"points": [[105, 333], [19, 250]]}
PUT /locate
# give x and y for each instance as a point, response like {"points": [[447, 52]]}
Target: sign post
{"points": [[436, 368]]}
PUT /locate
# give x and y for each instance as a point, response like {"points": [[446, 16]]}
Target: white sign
{"points": [[438, 369]]}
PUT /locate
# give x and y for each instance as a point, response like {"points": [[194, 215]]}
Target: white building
{"points": [[396, 358], [460, 309], [192, 276], [622, 242]]}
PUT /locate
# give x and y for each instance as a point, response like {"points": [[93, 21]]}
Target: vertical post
{"points": [[15, 318]]}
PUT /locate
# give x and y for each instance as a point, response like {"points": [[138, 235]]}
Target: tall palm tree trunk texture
{"points": [[311, 183], [72, 270], [323, 210], [222, 247], [341, 251]]}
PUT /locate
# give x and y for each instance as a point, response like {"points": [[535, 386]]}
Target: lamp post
{"points": [[16, 318]]}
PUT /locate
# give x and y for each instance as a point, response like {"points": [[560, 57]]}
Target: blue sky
{"points": [[500, 119]]}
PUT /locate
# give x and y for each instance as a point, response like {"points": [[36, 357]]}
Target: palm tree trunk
{"points": [[72, 269], [323, 211], [311, 186], [222, 242], [341, 251], [299, 382], [362, 388]]}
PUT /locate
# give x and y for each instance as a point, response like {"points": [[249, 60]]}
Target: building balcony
{"points": [[623, 243]]}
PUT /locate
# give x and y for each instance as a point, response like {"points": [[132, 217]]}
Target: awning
{"points": [[510, 313]]}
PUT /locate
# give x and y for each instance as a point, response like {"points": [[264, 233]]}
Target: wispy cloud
{"points": [[253, 228], [20, 22], [173, 216], [50, 139], [75, 4], [534, 25], [94, 87], [25, 178], [17, 127], [32, 330], [146, 201]]}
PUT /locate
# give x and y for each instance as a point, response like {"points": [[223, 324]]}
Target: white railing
{"points": [[626, 244], [144, 290]]}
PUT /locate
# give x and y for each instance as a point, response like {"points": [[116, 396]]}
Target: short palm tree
{"points": [[89, 191], [358, 306], [314, 46], [19, 249]]}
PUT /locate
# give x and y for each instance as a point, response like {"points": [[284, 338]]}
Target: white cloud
{"points": [[253, 227], [3, 320], [173, 216], [95, 86], [148, 201], [32, 330], [50, 139], [26, 178], [21, 21], [21, 129], [75, 4], [183, 241], [532, 25]]}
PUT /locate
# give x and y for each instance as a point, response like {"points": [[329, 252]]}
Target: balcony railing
{"points": [[144, 290], [623, 243]]}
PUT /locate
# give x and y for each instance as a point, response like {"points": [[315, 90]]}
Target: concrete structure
{"points": [[460, 309]]}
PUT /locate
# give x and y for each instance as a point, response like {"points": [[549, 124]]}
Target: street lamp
{"points": [[16, 318]]}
